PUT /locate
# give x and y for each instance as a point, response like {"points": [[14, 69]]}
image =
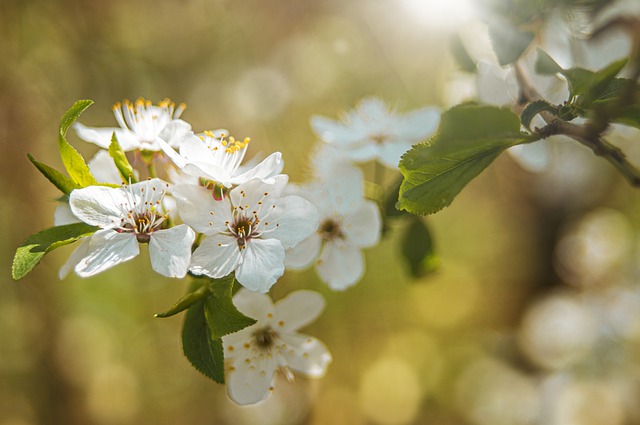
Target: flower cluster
{"points": [[204, 212]]}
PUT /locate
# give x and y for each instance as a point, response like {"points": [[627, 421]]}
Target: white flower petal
{"points": [[297, 310], [262, 264], [253, 304], [63, 215], [363, 152], [248, 194], [76, 256], [340, 265], [217, 256], [196, 205], [269, 167], [170, 250], [98, 205], [171, 153], [362, 225], [306, 354], [107, 248], [209, 171], [389, 153], [295, 218], [302, 255], [174, 131], [249, 383], [417, 125], [334, 132], [104, 169], [127, 139], [192, 149]]}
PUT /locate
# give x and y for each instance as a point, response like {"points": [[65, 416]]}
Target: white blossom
{"points": [[127, 216], [348, 223], [373, 131], [254, 354], [142, 126], [247, 231], [215, 158]]}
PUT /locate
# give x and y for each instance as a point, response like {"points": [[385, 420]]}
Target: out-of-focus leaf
{"points": [[469, 138], [59, 180], [121, 161], [508, 41], [221, 314], [461, 55], [545, 64], [73, 162], [29, 254], [418, 249], [204, 352]]}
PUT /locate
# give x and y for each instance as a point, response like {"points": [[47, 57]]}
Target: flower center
{"points": [[330, 229], [265, 338], [141, 213], [144, 118], [243, 230]]}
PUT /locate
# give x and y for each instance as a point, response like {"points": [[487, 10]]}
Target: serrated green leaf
{"points": [[418, 249], [185, 302], [29, 254], [59, 180], [73, 162], [222, 315], [461, 55], [121, 161], [469, 138], [508, 41], [533, 109], [203, 352], [545, 64], [604, 78]]}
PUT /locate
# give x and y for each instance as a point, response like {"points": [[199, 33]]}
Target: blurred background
{"points": [[532, 318]]}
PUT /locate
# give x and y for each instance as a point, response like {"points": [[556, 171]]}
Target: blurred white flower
{"points": [[215, 159], [247, 231], [142, 125], [373, 131], [127, 216], [348, 223], [254, 354]]}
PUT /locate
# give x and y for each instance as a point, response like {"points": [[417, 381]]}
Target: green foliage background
{"points": [[91, 352]]}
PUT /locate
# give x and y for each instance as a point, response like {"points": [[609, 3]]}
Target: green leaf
{"points": [[121, 161], [508, 41], [186, 301], [29, 254], [203, 352], [579, 80], [73, 162], [461, 55], [470, 137], [418, 249], [603, 79], [545, 64], [222, 315], [630, 117], [59, 180], [533, 109]]}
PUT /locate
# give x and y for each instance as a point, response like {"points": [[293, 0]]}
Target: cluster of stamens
{"points": [[247, 223], [229, 151], [146, 119], [330, 229], [141, 214]]}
